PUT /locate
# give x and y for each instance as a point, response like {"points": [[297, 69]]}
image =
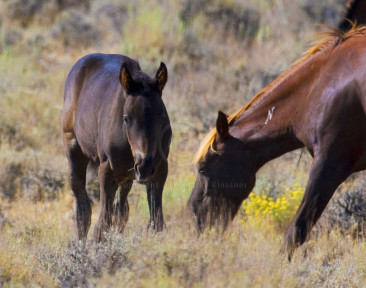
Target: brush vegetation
{"points": [[219, 54]]}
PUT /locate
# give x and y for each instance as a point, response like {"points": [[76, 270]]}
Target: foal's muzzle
{"points": [[143, 167]]}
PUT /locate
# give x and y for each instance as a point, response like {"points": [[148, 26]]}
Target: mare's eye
{"points": [[125, 119], [202, 170]]}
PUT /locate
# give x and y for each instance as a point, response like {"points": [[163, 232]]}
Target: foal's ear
{"points": [[222, 126], [161, 76], [126, 79]]}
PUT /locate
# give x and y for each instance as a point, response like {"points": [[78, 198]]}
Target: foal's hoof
{"points": [[99, 234], [154, 227]]}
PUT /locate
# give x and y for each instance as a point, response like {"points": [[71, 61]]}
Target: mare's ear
{"points": [[222, 126], [161, 76], [126, 79]]}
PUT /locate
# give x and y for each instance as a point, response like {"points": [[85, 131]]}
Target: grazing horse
{"points": [[355, 12], [114, 119], [320, 104]]}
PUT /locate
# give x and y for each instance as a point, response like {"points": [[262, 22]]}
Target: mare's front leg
{"points": [[325, 176], [108, 188], [340, 143], [121, 207], [154, 191]]}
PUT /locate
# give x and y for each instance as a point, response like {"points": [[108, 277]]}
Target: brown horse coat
{"points": [[114, 119], [319, 103]]}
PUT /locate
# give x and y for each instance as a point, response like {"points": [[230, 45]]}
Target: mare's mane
{"points": [[329, 39], [349, 17]]}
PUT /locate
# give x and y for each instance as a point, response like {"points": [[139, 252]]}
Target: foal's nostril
{"points": [[138, 159], [143, 167]]}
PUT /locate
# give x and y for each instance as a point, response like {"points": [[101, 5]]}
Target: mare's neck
{"points": [[267, 128]]}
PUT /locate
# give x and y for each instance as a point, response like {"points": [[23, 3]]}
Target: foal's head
{"points": [[224, 179], [144, 116]]}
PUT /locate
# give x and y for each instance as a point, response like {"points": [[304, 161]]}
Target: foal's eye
{"points": [[125, 119]]}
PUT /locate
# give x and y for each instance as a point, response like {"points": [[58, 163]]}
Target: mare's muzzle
{"points": [[143, 167]]}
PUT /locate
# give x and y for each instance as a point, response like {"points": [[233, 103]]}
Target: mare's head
{"points": [[145, 117], [225, 177]]}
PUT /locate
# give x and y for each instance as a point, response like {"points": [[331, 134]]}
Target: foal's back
{"points": [[93, 94]]}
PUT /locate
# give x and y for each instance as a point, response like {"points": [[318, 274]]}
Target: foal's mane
{"points": [[328, 39]]}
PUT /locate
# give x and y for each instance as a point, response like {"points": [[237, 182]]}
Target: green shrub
{"points": [[76, 31], [346, 212]]}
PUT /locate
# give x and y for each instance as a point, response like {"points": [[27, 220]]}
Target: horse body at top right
{"points": [[355, 12], [319, 103]]}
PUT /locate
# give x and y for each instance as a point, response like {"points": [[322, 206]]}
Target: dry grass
{"points": [[37, 250], [219, 54]]}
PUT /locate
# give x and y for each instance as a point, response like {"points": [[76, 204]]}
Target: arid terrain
{"points": [[219, 54]]}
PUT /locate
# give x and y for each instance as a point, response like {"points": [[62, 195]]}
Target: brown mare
{"points": [[320, 104], [114, 119], [355, 12]]}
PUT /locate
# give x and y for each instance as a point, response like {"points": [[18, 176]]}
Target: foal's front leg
{"points": [[154, 198], [154, 191], [121, 207], [108, 189]]}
